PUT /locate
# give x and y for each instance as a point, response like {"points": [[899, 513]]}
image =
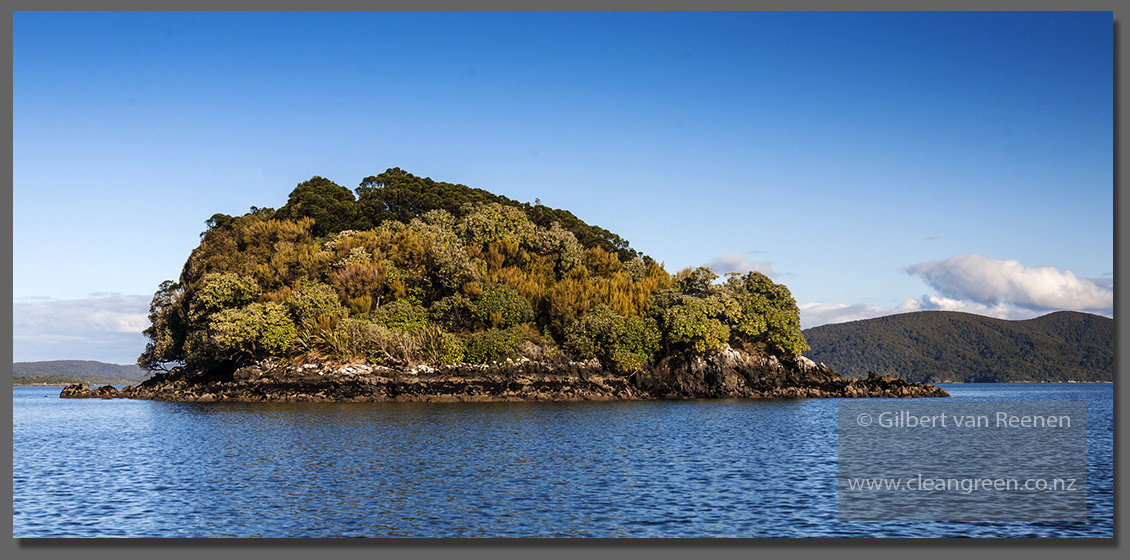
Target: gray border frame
{"points": [[745, 549]]}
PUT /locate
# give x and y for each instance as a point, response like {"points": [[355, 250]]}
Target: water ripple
{"points": [[94, 468]]}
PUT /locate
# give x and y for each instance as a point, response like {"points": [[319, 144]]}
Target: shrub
{"points": [[692, 324], [636, 268], [390, 345], [622, 344], [500, 306], [253, 331], [560, 241], [453, 311], [219, 291], [348, 340], [402, 315], [312, 300], [484, 223], [439, 347], [494, 344]]}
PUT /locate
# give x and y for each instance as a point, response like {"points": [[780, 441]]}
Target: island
{"points": [[416, 290]]}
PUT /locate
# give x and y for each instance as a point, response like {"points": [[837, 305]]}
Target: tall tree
{"points": [[332, 207]]}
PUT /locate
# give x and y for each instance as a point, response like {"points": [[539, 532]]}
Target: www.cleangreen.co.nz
{"points": [[920, 483]]}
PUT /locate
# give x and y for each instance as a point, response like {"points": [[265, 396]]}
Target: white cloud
{"points": [[104, 327], [977, 279], [999, 310], [983, 286], [816, 314], [737, 262]]}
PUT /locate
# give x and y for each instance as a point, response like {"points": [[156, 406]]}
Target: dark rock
{"points": [[725, 374], [83, 391], [76, 391]]}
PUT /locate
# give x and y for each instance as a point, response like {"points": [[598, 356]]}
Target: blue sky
{"points": [[872, 162]]}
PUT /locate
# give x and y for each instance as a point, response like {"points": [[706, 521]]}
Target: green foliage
{"points": [[694, 324], [411, 269], [586, 235], [331, 335], [939, 346], [556, 240], [391, 346], [484, 223], [624, 344], [275, 253], [312, 300], [636, 268], [403, 316], [696, 282], [217, 221], [500, 306], [222, 291], [401, 196], [167, 329], [248, 332], [494, 345], [764, 312], [439, 347], [330, 205], [750, 312], [454, 312]]}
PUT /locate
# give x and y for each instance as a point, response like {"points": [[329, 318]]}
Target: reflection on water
{"points": [[739, 468]]}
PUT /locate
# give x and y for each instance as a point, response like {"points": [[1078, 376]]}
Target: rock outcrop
{"points": [[82, 390], [726, 374]]}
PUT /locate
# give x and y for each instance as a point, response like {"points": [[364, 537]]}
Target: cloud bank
{"points": [[103, 327], [1005, 289], [982, 280], [737, 262]]}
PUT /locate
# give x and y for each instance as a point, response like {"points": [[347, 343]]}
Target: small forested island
{"points": [[417, 290]]}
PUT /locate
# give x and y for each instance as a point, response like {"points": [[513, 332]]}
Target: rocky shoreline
{"points": [[726, 374]]}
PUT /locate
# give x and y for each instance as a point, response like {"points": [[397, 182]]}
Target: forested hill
{"points": [[940, 346], [61, 372], [399, 196], [406, 271]]}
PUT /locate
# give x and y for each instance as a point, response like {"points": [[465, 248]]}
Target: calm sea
{"points": [[733, 468]]}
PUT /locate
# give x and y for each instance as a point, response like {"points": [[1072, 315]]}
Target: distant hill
{"points": [[61, 372], [940, 346]]}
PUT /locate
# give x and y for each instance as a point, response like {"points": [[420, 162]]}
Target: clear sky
{"points": [[872, 162]]}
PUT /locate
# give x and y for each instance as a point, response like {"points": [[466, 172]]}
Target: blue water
{"points": [[733, 468]]}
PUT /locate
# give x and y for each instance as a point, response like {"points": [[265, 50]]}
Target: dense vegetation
{"points": [[412, 270], [939, 346], [62, 372]]}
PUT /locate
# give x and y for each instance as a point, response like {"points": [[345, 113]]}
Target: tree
{"points": [[765, 313], [332, 207], [167, 329]]}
